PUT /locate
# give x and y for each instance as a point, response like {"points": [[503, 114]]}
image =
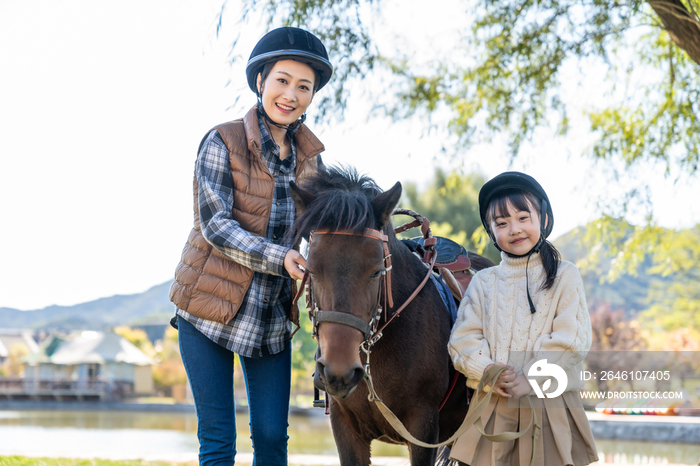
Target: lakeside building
{"points": [[87, 365]]}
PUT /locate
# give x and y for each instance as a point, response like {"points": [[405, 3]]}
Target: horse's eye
{"points": [[376, 274]]}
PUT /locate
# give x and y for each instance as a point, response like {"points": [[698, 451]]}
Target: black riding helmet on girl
{"points": [[511, 182], [287, 43], [523, 192]]}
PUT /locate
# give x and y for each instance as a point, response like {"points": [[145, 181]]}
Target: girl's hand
{"points": [[505, 381], [292, 261], [521, 387]]}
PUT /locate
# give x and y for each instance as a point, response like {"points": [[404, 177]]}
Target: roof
{"points": [[98, 348], [10, 339]]}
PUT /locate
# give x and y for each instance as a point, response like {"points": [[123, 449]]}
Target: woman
{"points": [[233, 286]]}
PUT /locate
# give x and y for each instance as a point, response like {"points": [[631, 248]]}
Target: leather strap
{"points": [[396, 313], [473, 415], [375, 234], [345, 319], [304, 281]]}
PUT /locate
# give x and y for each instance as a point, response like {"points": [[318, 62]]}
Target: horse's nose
{"points": [[340, 383]]}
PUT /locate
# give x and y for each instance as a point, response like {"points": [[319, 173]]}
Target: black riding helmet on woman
{"points": [[233, 286], [287, 43]]}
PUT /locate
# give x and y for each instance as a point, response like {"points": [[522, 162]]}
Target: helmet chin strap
{"points": [[535, 249]]}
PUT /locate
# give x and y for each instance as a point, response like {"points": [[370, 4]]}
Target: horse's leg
{"points": [[353, 449], [424, 425]]}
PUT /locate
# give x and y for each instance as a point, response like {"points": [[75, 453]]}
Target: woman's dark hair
{"points": [[525, 201], [265, 72]]}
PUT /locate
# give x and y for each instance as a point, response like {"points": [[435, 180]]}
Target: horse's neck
{"points": [[407, 270]]}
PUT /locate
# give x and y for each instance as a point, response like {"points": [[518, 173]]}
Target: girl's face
{"points": [[516, 231], [287, 91]]}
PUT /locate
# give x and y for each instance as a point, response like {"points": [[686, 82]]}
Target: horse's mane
{"points": [[343, 202]]}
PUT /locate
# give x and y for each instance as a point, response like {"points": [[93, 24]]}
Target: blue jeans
{"points": [[209, 368]]}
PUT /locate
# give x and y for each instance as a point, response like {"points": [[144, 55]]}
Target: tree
{"points": [[137, 337], [616, 344], [451, 203], [170, 371], [303, 362], [506, 75], [675, 305], [14, 364]]}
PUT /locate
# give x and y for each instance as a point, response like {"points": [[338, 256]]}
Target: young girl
{"points": [[529, 308], [233, 287]]}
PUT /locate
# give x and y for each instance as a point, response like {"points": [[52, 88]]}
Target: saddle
{"points": [[452, 262]]}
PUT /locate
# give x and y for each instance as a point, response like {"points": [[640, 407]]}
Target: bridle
{"points": [[371, 330], [368, 329]]}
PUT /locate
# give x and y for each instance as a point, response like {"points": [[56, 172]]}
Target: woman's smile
{"points": [[284, 108]]}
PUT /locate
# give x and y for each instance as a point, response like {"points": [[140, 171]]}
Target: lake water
{"points": [[172, 436]]}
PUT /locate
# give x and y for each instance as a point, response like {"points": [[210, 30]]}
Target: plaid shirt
{"points": [[261, 325]]}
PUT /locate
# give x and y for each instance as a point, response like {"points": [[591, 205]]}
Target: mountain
{"points": [[142, 309], [152, 308], [628, 292]]}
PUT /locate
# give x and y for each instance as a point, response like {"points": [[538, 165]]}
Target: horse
{"points": [[346, 218]]}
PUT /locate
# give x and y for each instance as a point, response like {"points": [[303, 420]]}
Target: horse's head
{"points": [[345, 266]]}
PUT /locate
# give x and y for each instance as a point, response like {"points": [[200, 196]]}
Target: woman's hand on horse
{"points": [[505, 382], [292, 262]]}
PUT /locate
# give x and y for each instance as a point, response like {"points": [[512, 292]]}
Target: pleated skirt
{"points": [[565, 438]]}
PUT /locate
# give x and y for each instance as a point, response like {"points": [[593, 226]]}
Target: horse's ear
{"points": [[385, 203], [302, 198]]}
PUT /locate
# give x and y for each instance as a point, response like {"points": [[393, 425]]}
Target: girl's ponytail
{"points": [[550, 261]]}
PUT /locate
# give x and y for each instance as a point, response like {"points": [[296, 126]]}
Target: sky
{"points": [[103, 105]]}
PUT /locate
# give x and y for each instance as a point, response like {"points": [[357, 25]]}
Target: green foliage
{"points": [[137, 337], [628, 246], [342, 29], [505, 76], [676, 305], [14, 365], [451, 203], [303, 351], [170, 371], [628, 291], [660, 120], [640, 268]]}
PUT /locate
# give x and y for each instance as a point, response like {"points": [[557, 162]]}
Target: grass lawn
{"points": [[27, 461]]}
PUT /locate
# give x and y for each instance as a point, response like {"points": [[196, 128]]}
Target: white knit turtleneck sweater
{"points": [[494, 322]]}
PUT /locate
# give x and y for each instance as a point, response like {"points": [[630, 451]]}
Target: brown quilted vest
{"points": [[207, 284]]}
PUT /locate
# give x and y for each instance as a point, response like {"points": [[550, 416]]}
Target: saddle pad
{"points": [[446, 296]]}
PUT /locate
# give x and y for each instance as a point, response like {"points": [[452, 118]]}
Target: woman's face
{"points": [[287, 91]]}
